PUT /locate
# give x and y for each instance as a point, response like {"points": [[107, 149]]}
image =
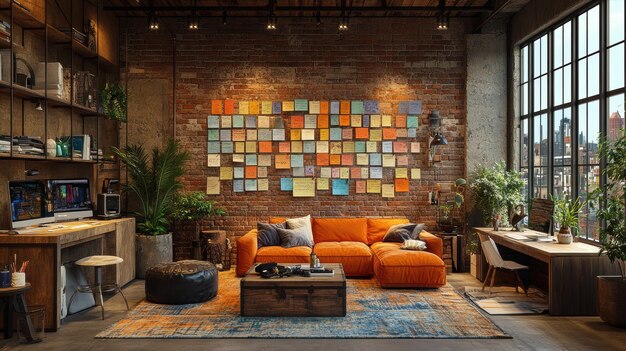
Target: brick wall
{"points": [[389, 60]]}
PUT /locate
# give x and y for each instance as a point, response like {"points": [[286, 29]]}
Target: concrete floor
{"points": [[533, 332]]}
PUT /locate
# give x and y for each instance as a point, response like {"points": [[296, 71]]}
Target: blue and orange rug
{"points": [[373, 313]]}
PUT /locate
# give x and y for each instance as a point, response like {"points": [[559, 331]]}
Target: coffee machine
{"points": [[109, 204]]}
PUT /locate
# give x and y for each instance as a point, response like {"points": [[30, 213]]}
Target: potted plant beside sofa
{"points": [[152, 183], [193, 208], [611, 203]]}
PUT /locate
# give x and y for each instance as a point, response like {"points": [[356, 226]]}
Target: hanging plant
{"points": [[114, 102]]}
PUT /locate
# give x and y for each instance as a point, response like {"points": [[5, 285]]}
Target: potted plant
{"points": [[566, 215], [446, 223], [153, 183], [495, 190], [194, 207], [113, 101], [612, 212]]}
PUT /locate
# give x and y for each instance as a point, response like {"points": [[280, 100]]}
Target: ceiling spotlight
{"points": [[38, 105], [153, 20], [271, 22], [343, 22], [224, 18], [193, 20], [443, 21]]}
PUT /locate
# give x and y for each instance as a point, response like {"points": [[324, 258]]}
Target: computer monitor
{"points": [[28, 204], [70, 198]]}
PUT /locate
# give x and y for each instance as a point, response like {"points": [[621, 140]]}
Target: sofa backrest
{"points": [[340, 229], [378, 227]]}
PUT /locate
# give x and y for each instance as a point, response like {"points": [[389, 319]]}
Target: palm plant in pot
{"points": [[566, 216], [153, 182], [610, 201]]}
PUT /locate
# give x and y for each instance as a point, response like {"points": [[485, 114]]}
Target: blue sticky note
{"points": [[214, 134], [250, 121], [227, 147], [250, 184], [387, 147], [277, 107], [238, 185], [340, 187], [403, 107], [334, 107], [251, 160], [376, 159], [415, 107], [411, 133], [334, 120], [213, 121], [213, 147], [301, 105], [359, 147], [297, 161], [365, 121], [286, 184], [370, 106], [335, 134], [309, 171], [356, 107], [237, 121], [225, 135], [412, 122], [308, 147]]}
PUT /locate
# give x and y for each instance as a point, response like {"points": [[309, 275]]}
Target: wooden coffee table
{"points": [[294, 296]]}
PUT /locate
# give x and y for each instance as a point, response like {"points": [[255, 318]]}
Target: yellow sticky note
{"points": [[251, 147], [263, 122], [296, 147], [213, 185], [266, 107], [362, 159], [375, 121], [314, 107], [263, 185], [344, 173], [388, 190], [416, 173], [402, 173], [373, 186], [324, 134], [240, 147], [323, 184], [226, 173], [376, 134], [303, 187], [238, 158], [389, 160], [386, 121], [244, 107], [288, 106], [254, 107], [213, 160]]}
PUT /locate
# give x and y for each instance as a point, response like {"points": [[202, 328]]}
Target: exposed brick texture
{"points": [[389, 60]]}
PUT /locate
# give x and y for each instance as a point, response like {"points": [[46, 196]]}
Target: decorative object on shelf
{"points": [[92, 35], [53, 85], [436, 138], [517, 217], [153, 183], [22, 79], [113, 101], [611, 297], [51, 148], [496, 189], [566, 216]]}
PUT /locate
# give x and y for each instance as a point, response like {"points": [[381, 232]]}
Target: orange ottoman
{"points": [[356, 257], [397, 268]]}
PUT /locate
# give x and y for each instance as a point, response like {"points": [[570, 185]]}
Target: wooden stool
{"points": [[13, 299], [98, 288]]}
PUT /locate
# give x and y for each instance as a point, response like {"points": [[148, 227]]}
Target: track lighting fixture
{"points": [[343, 22], [153, 20], [443, 21], [271, 21], [224, 18], [193, 20]]}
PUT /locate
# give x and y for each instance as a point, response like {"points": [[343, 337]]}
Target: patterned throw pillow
{"points": [[267, 234], [416, 245], [400, 232], [294, 237]]}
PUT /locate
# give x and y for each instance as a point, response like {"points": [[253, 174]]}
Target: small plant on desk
{"points": [[566, 216]]}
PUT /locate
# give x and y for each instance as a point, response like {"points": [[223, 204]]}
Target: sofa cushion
{"points": [[340, 229], [267, 234], [395, 267], [356, 257], [400, 232], [302, 222], [378, 227], [279, 254], [294, 237], [275, 220]]}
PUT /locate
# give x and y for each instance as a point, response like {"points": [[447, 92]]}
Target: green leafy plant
{"points": [[446, 207], [194, 207], [495, 190], [566, 212], [113, 100], [610, 202], [153, 182]]}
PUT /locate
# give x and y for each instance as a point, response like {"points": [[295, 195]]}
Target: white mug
{"points": [[18, 279]]}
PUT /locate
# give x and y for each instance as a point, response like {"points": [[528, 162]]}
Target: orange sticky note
{"points": [[265, 147], [282, 161], [324, 107], [216, 107], [344, 107], [322, 159], [229, 106], [389, 133], [400, 122], [355, 172], [335, 159], [402, 185], [322, 121], [284, 147], [361, 186], [400, 147], [254, 108], [347, 160], [297, 121], [344, 120], [251, 172], [361, 133]]}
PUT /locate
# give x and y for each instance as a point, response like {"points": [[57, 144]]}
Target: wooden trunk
{"points": [[294, 296]]}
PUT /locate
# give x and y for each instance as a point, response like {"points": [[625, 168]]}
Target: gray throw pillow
{"points": [[267, 234], [294, 237], [400, 232]]}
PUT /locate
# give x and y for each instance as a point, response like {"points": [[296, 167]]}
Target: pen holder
{"points": [[18, 279], [5, 279]]}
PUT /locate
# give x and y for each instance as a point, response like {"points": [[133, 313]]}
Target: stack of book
{"points": [[54, 85], [29, 145], [5, 31], [5, 143]]}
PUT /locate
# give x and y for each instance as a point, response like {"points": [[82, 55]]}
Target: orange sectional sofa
{"points": [[357, 244]]}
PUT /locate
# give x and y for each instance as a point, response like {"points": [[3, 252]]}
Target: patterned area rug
{"points": [[505, 300], [373, 312]]}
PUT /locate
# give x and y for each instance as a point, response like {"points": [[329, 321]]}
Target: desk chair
{"points": [[495, 261]]}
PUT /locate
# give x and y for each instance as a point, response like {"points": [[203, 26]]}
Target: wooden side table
{"points": [[13, 299], [457, 249]]}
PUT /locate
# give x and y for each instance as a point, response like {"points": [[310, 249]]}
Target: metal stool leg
{"points": [[124, 297], [76, 291], [98, 286]]}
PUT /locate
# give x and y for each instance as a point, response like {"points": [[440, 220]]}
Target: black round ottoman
{"points": [[181, 282]]}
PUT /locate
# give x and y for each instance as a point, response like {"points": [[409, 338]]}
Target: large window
{"points": [[572, 96]]}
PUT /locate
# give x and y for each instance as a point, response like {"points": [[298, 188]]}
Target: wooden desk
{"points": [[48, 248], [572, 270]]}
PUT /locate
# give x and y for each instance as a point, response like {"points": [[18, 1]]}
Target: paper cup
{"points": [[18, 279]]}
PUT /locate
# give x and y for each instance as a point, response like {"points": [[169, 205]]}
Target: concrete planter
{"points": [[612, 300], [152, 250]]}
